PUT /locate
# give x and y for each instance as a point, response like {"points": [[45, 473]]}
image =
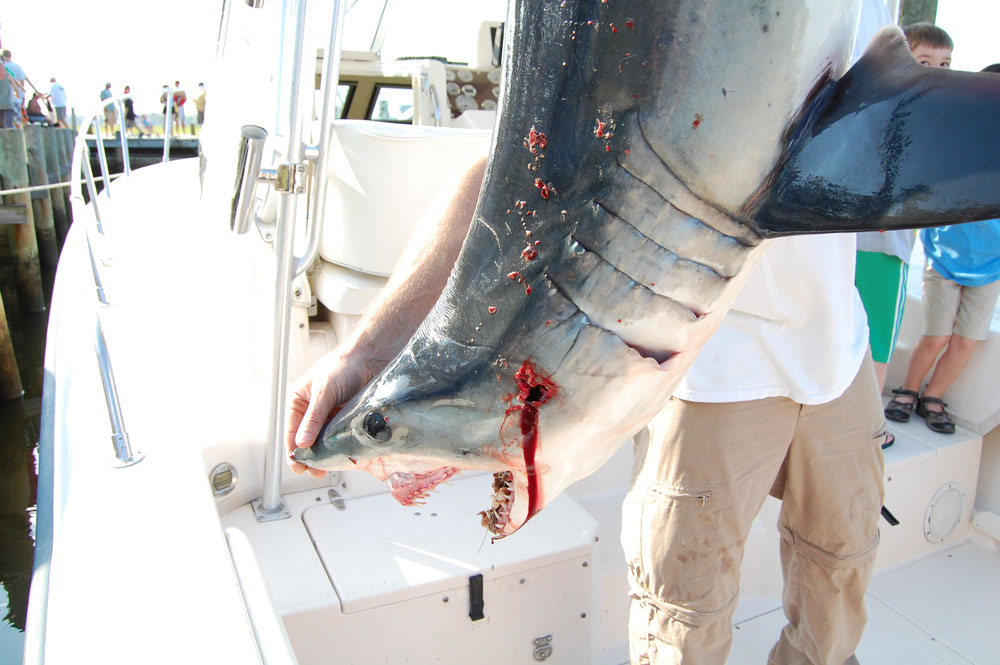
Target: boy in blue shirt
{"points": [[961, 285]]}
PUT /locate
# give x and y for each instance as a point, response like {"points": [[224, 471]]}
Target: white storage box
{"points": [[537, 585]]}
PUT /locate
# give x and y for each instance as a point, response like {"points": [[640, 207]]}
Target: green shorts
{"points": [[881, 282]]}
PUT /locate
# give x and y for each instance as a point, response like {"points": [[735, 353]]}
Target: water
{"points": [[19, 426]]}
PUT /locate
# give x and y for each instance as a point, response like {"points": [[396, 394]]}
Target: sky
{"points": [[123, 42], [145, 44]]}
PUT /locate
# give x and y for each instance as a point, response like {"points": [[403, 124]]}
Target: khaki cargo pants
{"points": [[702, 474]]}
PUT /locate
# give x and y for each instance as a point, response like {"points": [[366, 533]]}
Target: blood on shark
{"points": [[674, 148]]}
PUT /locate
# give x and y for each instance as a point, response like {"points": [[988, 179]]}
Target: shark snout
{"points": [[332, 450]]}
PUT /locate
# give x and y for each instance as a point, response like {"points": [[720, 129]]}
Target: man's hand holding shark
{"points": [[387, 325]]}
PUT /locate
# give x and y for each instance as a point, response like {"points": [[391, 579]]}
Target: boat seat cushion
{"points": [[382, 179]]}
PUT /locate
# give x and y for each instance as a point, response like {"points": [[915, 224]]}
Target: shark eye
{"points": [[375, 427]]}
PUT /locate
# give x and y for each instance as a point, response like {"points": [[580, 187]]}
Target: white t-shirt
{"points": [[797, 330], [58, 95]]}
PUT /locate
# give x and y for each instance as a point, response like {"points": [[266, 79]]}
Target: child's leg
{"points": [[972, 325]]}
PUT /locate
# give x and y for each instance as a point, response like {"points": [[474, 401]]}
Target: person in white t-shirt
{"points": [[782, 400], [57, 95]]}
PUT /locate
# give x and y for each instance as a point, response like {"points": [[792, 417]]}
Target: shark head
{"points": [[524, 412], [415, 436]]}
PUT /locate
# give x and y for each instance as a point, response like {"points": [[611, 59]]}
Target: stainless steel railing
{"points": [[37, 619], [288, 266], [81, 175]]}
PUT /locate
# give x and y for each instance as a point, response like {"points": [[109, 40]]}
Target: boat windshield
{"points": [[429, 28]]}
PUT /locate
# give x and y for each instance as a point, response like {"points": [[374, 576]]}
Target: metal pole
{"points": [[119, 436], [101, 297], [126, 166], [102, 159], [271, 504], [168, 116], [317, 152], [88, 173]]}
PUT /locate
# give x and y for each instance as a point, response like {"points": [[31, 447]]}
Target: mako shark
{"points": [[644, 154]]}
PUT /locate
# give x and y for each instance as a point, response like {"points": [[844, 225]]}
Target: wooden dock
{"points": [[36, 219]]}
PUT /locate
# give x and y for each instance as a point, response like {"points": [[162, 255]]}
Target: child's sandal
{"points": [[937, 421], [898, 410]]}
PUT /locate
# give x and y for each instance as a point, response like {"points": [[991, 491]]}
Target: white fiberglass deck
{"points": [[929, 602], [940, 610]]}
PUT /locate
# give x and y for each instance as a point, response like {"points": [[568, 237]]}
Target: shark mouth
{"points": [[411, 488]]}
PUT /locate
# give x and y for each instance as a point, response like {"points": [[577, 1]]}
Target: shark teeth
{"points": [[495, 519]]}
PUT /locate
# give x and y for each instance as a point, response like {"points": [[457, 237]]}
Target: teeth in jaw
{"points": [[496, 517]]}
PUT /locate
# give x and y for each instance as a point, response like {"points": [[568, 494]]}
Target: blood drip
{"points": [[533, 390]]}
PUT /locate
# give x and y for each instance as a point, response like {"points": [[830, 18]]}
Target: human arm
{"points": [[389, 321]]}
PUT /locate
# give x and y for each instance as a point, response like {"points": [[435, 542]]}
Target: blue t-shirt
{"points": [[7, 97], [968, 254], [105, 94]]}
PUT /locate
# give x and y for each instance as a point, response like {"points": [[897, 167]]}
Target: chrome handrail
{"points": [[271, 506], [167, 122], [316, 153], [124, 455], [88, 174], [123, 136], [102, 158]]}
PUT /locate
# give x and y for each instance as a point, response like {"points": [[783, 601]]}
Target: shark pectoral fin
{"points": [[891, 145]]}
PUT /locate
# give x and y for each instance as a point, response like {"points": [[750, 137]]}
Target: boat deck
{"points": [[928, 602], [939, 610]]}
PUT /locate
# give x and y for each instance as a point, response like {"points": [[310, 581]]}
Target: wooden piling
{"points": [[41, 201], [24, 246], [68, 136], [60, 215], [64, 150], [10, 378]]}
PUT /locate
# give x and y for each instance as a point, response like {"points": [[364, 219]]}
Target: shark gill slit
{"points": [[680, 261], [637, 231], [725, 258], [660, 356], [690, 203]]}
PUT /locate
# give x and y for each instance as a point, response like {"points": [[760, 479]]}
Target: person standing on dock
{"points": [[17, 80], [130, 112], [180, 98], [199, 104], [109, 109], [6, 98], [57, 95]]}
